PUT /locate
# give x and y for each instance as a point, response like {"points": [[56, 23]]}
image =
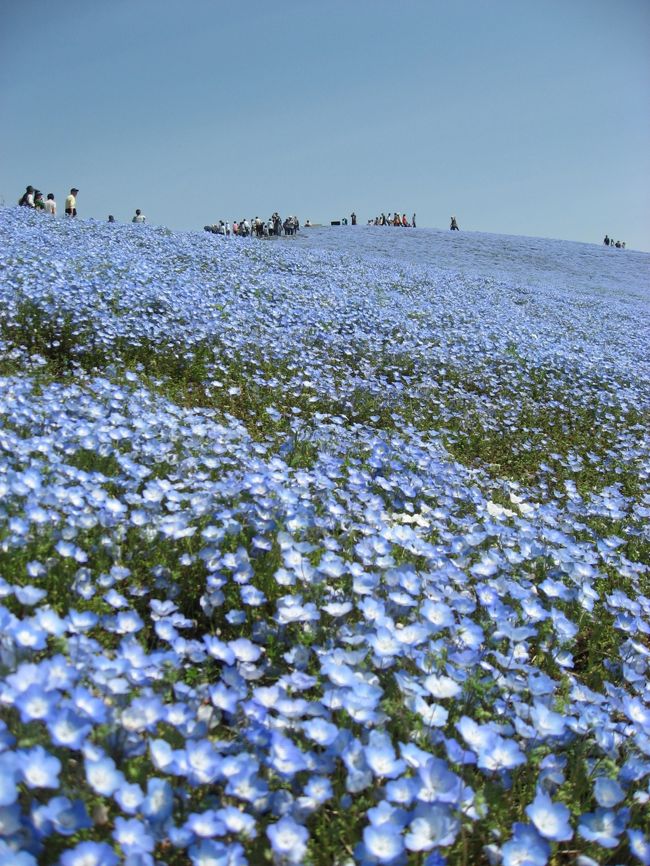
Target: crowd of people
{"points": [[393, 219], [609, 242], [33, 198], [274, 226]]}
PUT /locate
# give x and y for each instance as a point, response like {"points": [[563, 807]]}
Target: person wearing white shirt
{"points": [[139, 217], [50, 205]]}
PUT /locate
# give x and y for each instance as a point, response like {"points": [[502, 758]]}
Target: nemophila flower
{"points": [[38, 768], [90, 854], [65, 816], [381, 758], [608, 792], [436, 782], [203, 762], [28, 634], [433, 825], [128, 622], [8, 776], [159, 800], [245, 650], [383, 842], [10, 820], [129, 797], [35, 703], [639, 846], [205, 824], [603, 826], [337, 608], [29, 595], [525, 848], [500, 753], [551, 820], [102, 775], [237, 821], [442, 686], [284, 756], [10, 857], [320, 731], [288, 839]]}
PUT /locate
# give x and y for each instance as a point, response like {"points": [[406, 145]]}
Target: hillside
{"points": [[327, 551]]}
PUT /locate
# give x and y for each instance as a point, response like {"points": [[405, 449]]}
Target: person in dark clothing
{"points": [[454, 225], [353, 218], [606, 241]]}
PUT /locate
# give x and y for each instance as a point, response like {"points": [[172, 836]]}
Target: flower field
{"points": [[327, 552]]}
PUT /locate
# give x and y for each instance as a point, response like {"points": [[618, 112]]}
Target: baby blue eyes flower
{"points": [[132, 837], [90, 854], [526, 848], [551, 820], [321, 732], [381, 758], [639, 846], [442, 687], [603, 826], [433, 826], [608, 792], [288, 840], [66, 817], [384, 842], [103, 776], [8, 786], [10, 857], [38, 768]]}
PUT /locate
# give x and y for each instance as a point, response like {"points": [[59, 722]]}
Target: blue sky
{"points": [[517, 116]]}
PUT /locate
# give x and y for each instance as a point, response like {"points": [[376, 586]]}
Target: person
{"points": [[39, 202], [413, 221], [111, 218], [50, 204], [27, 198], [454, 225], [139, 217], [353, 218], [606, 240], [71, 203]]}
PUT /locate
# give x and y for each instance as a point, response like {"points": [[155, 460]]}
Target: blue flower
{"points": [[383, 842], [639, 846], [90, 854], [288, 839], [433, 825], [608, 792], [603, 827], [551, 820], [38, 768], [526, 848], [132, 836], [381, 758], [103, 776]]}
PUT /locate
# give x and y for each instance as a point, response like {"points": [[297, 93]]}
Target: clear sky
{"points": [[518, 116]]}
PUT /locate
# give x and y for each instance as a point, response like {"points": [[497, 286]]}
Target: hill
{"points": [[328, 551]]}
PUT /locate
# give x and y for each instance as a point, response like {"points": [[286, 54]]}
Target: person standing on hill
{"points": [[71, 203], [413, 221], [27, 198], [454, 225], [50, 204], [139, 217]]}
